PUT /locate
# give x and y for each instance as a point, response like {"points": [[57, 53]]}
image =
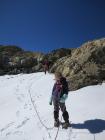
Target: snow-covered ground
{"points": [[20, 120]]}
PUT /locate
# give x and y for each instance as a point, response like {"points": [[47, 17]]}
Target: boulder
{"points": [[85, 66]]}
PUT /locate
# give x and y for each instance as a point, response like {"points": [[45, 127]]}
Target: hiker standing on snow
{"points": [[46, 66], [58, 97]]}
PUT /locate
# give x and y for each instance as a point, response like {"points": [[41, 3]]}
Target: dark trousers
{"points": [[46, 68], [57, 107]]}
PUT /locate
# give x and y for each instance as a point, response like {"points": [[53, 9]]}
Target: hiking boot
{"points": [[56, 123], [65, 125]]}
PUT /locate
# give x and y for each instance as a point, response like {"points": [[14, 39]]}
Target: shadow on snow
{"points": [[94, 126]]}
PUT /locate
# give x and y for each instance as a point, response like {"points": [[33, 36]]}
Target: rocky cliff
{"points": [[85, 66]]}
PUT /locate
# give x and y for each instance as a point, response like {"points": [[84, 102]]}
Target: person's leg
{"points": [[65, 113], [45, 69], [56, 113]]}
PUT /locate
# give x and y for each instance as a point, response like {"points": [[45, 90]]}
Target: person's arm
{"points": [[63, 98], [50, 101], [65, 90], [65, 86]]}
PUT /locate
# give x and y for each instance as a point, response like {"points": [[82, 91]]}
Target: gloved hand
{"points": [[63, 98], [50, 102]]}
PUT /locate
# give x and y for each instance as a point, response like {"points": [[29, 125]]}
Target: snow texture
{"points": [[25, 113]]}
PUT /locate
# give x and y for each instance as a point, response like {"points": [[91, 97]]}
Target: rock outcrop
{"points": [[85, 66], [14, 60]]}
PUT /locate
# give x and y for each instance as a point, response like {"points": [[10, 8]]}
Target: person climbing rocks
{"points": [[46, 66], [58, 98]]}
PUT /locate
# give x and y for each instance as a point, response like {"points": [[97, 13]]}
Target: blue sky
{"points": [[44, 25]]}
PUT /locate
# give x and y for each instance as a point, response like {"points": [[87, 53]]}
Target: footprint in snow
{"points": [[6, 127], [23, 123], [18, 132], [17, 113], [9, 133], [25, 106], [19, 99]]}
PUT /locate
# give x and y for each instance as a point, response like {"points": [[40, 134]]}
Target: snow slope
{"points": [[20, 120]]}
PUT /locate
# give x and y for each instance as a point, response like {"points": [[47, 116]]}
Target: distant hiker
{"points": [[58, 97], [46, 66], [1, 61]]}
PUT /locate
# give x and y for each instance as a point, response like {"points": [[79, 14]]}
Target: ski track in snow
{"points": [[26, 124]]}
